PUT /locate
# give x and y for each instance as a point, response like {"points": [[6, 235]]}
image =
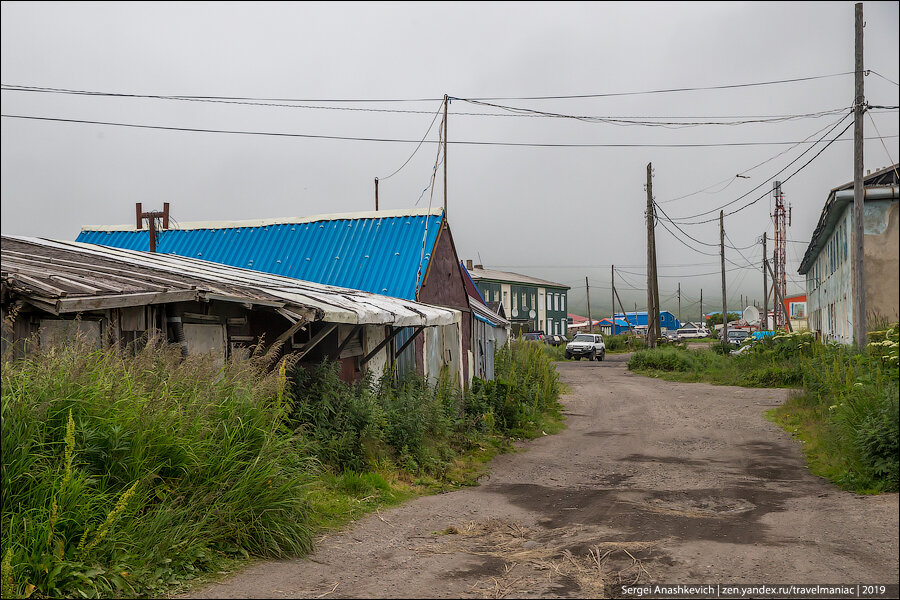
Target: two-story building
{"points": [[530, 304], [828, 261]]}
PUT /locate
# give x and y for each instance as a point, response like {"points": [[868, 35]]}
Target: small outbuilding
{"points": [[115, 298]]}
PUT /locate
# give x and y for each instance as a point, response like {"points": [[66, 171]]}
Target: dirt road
{"points": [[652, 481]]}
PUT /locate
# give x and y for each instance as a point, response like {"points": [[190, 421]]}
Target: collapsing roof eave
{"points": [[205, 279]]}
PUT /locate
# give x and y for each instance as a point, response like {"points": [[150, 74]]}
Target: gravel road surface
{"points": [[651, 482]]}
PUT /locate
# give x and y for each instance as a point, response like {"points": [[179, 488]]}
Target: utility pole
{"points": [[446, 102], [376, 194], [612, 279], [765, 326], [151, 221], [724, 301], [590, 321], [859, 266], [653, 329], [679, 302], [702, 320], [780, 260]]}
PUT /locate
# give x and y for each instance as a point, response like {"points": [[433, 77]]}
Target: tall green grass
{"points": [[125, 475], [846, 409], [121, 474]]}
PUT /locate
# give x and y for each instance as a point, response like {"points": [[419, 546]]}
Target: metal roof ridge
{"points": [[483, 273], [380, 214]]}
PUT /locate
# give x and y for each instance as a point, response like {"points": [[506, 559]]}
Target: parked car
{"points": [[534, 336], [555, 339], [690, 333], [588, 345], [737, 336]]}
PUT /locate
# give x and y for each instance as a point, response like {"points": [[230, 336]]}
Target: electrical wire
{"points": [[742, 196], [886, 151], [740, 119], [648, 123], [788, 178], [741, 174], [417, 147], [494, 98], [883, 77], [409, 141]]}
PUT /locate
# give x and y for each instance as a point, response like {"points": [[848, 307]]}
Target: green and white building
{"points": [[531, 304]]}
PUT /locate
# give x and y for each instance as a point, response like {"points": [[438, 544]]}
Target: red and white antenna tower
{"points": [[780, 260]]}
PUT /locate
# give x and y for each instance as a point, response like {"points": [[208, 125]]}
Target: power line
{"points": [[667, 124], [417, 147], [883, 77], [737, 268], [849, 125], [742, 196], [406, 141], [736, 119], [672, 90], [740, 174], [683, 243], [391, 100]]}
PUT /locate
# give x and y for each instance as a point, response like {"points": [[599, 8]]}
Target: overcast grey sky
{"points": [[561, 213]]}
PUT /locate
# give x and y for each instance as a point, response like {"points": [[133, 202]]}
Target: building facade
{"points": [[109, 297], [408, 254], [640, 320], [530, 304], [828, 262], [795, 307]]}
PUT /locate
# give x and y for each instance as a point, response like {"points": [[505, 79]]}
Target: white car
{"points": [[688, 333], [588, 345]]}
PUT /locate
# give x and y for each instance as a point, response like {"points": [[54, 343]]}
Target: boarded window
{"points": [[204, 338], [60, 332]]}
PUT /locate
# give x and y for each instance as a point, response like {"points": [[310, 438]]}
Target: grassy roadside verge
{"points": [[127, 477], [845, 410]]}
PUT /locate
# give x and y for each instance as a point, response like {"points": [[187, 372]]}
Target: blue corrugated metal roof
{"points": [[382, 255]]}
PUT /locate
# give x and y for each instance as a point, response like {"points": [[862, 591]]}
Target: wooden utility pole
{"points": [[376, 194], [624, 314], [446, 102], [653, 329], [724, 301], [587, 287], [151, 221], [765, 326], [859, 266], [679, 302], [612, 280]]}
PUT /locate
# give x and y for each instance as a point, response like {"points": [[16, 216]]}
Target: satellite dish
{"points": [[751, 314], [532, 314]]}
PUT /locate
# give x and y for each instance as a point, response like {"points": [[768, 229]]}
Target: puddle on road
{"points": [[729, 515]]}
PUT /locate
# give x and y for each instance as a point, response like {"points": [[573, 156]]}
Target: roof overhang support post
{"points": [[316, 339], [294, 328], [387, 340], [347, 340], [411, 339]]}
